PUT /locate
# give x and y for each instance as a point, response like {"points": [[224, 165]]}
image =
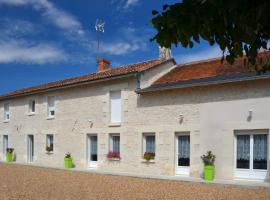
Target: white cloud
{"points": [[59, 17], [131, 40], [130, 3], [20, 52], [120, 48], [124, 5], [209, 53]]}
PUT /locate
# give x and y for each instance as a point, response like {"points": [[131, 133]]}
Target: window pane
{"points": [[93, 148], [5, 144], [33, 106], [243, 151], [116, 143], [50, 141], [116, 106], [260, 152], [183, 150], [150, 143]]}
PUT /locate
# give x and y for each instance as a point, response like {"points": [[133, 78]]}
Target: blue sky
{"points": [[46, 40]]}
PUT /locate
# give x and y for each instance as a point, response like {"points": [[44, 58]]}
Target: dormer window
{"points": [[51, 106], [32, 107], [6, 112]]}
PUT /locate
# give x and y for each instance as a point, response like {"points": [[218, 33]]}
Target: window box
{"points": [[113, 156], [149, 161]]}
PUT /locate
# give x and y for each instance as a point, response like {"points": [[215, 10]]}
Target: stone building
{"points": [[107, 120]]}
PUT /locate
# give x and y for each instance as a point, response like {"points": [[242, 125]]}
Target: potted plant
{"points": [[113, 155], [9, 154], [68, 161], [49, 149], [209, 167], [149, 156]]}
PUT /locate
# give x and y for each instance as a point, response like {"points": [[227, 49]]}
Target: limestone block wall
{"points": [[211, 115]]}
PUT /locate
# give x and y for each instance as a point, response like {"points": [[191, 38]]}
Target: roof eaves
{"points": [[204, 82], [80, 83]]}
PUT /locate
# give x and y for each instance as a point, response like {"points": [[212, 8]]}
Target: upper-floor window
{"points": [[32, 106], [49, 142], [6, 112], [116, 107], [51, 106]]}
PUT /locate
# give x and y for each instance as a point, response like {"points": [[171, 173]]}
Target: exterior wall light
{"points": [[250, 113], [181, 118]]}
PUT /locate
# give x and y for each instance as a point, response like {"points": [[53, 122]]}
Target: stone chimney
{"points": [[103, 64], [165, 53]]}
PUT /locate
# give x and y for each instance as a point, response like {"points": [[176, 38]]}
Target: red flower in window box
{"points": [[113, 155]]}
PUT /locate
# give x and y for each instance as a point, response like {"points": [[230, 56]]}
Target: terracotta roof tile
{"points": [[208, 69], [112, 72]]}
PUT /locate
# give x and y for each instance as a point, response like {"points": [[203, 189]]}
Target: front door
{"points": [[182, 154], [251, 159], [92, 150], [30, 148]]}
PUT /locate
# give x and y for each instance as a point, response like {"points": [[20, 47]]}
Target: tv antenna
{"points": [[100, 29]]}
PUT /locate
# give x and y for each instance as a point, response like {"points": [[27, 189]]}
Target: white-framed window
{"points": [[116, 106], [51, 106], [49, 142], [115, 142], [149, 143], [5, 144], [32, 106], [6, 112]]}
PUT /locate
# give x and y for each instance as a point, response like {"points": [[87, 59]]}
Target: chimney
{"points": [[103, 64], [165, 53]]}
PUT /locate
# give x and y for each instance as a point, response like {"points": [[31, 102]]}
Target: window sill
{"points": [[50, 118], [114, 159], [6, 121], [31, 114], [115, 124], [49, 152], [152, 161]]}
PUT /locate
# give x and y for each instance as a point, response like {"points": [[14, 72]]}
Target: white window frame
{"points": [[51, 108], [50, 140], [115, 113], [145, 135], [5, 144], [111, 141], [30, 106], [182, 170], [91, 163], [259, 174], [6, 112]]}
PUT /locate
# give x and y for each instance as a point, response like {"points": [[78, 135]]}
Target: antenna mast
{"points": [[100, 29]]}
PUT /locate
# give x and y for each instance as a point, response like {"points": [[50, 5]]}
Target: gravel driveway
{"points": [[27, 183]]}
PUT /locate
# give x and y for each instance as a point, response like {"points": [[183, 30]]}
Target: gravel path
{"points": [[32, 183]]}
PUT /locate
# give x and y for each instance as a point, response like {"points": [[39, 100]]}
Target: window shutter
{"points": [[116, 107]]}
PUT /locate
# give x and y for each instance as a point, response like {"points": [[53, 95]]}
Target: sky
{"points": [[48, 40]]}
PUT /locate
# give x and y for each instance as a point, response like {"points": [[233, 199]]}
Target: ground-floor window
{"points": [[93, 148], [5, 143], [251, 154], [149, 144], [182, 153], [115, 142], [49, 142], [245, 151]]}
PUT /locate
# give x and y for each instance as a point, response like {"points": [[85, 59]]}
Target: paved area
{"points": [[33, 183]]}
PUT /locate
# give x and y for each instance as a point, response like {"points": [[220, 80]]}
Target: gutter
{"points": [[200, 83]]}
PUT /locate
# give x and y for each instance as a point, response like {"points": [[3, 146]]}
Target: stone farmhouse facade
{"points": [[178, 112]]}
